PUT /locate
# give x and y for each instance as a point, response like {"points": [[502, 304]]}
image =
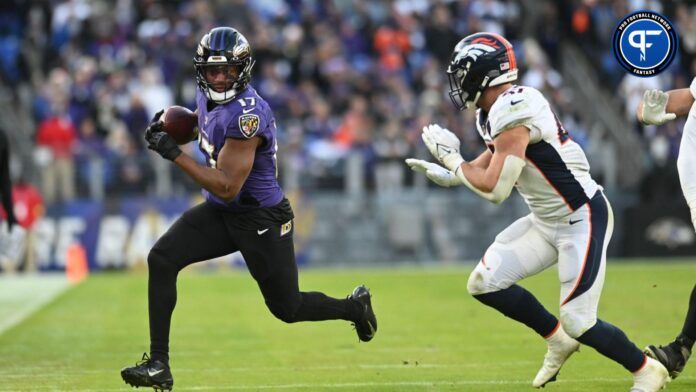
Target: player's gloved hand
{"points": [[434, 172], [156, 117], [159, 141], [154, 126], [654, 108], [163, 144], [443, 145]]}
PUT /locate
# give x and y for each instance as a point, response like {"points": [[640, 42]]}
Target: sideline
{"points": [[23, 295]]}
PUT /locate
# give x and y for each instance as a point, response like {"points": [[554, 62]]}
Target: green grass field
{"points": [[432, 335]]}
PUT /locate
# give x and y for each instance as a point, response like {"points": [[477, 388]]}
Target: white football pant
{"points": [[530, 245]]}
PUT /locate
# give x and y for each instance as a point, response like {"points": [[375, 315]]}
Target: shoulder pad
{"points": [[515, 107], [244, 122]]}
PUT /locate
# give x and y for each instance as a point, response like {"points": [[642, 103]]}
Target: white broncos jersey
{"points": [[556, 179]]}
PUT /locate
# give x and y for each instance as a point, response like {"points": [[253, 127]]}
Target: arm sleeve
{"points": [[692, 87], [512, 168]]}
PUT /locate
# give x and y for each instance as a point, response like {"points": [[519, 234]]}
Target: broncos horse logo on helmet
{"points": [[479, 61], [223, 63]]}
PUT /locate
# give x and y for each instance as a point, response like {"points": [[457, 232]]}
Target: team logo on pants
{"points": [[285, 228], [645, 43]]}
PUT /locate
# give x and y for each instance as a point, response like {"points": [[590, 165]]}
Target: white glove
{"points": [[654, 108], [434, 172], [443, 145]]}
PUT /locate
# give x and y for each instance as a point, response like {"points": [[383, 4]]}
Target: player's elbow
{"points": [[228, 197], [511, 171], [228, 191], [500, 193], [497, 198], [488, 186]]}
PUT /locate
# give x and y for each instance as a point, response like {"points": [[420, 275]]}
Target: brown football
{"points": [[180, 123]]}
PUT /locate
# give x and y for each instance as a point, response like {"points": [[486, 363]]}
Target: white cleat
{"points": [[652, 377], [561, 347]]}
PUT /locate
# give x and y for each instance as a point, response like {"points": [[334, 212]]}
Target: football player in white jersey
{"points": [[570, 223], [656, 108]]}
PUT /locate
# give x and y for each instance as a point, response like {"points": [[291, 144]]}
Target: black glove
{"points": [[159, 141], [154, 126], [156, 117]]}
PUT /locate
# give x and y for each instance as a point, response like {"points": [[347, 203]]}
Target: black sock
{"points": [[611, 342], [161, 302], [520, 305], [689, 330], [317, 306]]}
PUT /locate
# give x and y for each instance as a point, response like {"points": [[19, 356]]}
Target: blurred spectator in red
{"points": [[28, 209], [354, 122], [56, 139], [28, 203], [581, 20], [392, 44]]}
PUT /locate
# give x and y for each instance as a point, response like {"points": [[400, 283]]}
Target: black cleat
{"points": [[673, 356], [366, 324], [149, 373]]}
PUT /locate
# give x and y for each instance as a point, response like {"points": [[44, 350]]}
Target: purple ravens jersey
{"points": [[246, 116]]}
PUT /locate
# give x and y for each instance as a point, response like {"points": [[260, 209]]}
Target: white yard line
{"points": [[22, 295], [44, 370], [376, 384]]}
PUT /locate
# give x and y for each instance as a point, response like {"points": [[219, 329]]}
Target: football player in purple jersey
{"points": [[244, 209]]}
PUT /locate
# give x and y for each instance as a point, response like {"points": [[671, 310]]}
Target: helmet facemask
{"points": [[236, 76], [223, 64], [465, 88]]}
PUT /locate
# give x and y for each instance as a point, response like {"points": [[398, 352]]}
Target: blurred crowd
{"points": [[592, 23], [351, 82]]}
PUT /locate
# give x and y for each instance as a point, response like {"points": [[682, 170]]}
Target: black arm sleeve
{"points": [[5, 184]]}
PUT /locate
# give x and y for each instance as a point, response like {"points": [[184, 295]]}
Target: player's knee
{"points": [[158, 261], [488, 277], [476, 284], [575, 324], [155, 259], [481, 281], [282, 311]]}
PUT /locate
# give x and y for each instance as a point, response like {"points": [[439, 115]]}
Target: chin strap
{"points": [[222, 97], [512, 168]]}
